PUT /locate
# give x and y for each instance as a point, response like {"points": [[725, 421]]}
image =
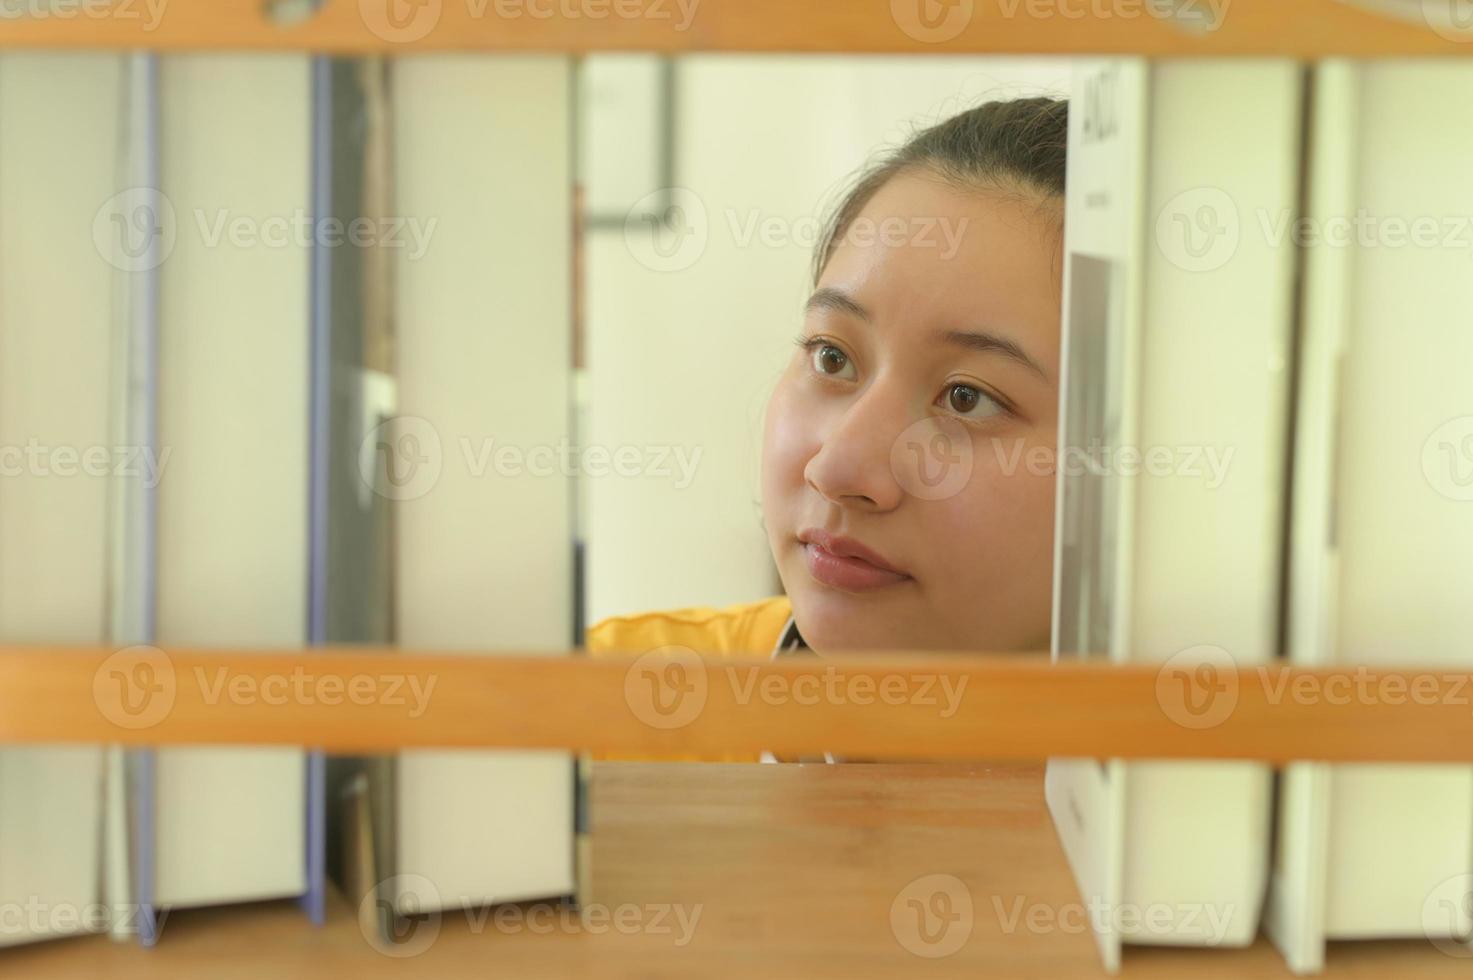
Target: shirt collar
{"points": [[789, 640], [790, 643]]}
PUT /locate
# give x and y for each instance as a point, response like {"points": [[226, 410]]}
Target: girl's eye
{"points": [[829, 360], [970, 401]]}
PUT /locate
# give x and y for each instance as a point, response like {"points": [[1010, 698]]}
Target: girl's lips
{"points": [[846, 573]]}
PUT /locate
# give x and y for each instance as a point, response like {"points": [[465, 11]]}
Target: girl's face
{"points": [[908, 458]]}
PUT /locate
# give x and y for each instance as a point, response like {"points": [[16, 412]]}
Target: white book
{"points": [[58, 143], [232, 506], [1383, 539], [483, 539], [1177, 332]]}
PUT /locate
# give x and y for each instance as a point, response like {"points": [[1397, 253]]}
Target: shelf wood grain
{"points": [[795, 870], [1159, 28], [896, 705]]}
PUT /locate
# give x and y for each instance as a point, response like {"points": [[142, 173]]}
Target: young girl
{"points": [[907, 463]]}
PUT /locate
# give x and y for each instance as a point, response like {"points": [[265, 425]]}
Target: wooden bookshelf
{"points": [[796, 870], [890, 706], [1159, 28]]}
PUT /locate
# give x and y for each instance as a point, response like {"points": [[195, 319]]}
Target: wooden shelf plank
{"points": [[743, 871], [1161, 28], [894, 705]]}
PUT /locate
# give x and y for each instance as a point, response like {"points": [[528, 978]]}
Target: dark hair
{"points": [[1016, 146]]}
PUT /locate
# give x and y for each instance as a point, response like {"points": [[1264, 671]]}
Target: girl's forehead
{"points": [[929, 255]]}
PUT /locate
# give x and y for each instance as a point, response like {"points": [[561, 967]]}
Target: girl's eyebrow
{"points": [[991, 343], [836, 301], [833, 300]]}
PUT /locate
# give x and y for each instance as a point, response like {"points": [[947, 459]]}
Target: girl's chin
{"points": [[838, 621]]}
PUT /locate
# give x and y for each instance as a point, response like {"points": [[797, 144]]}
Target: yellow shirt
{"points": [[750, 630]]}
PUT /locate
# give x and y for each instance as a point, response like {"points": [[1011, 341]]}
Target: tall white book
{"points": [[1382, 547], [234, 164], [1177, 333], [483, 533], [58, 143]]}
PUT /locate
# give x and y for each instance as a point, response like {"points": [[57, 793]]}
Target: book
{"points": [[1178, 322], [482, 532], [58, 140], [1383, 474], [228, 824]]}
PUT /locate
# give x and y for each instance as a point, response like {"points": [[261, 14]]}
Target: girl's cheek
{"points": [[790, 440], [1009, 499]]}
